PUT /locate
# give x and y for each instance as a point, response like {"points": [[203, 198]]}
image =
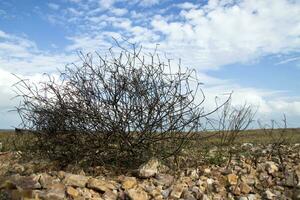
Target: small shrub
{"points": [[118, 109]]}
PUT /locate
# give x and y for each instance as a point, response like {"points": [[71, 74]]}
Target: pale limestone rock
{"points": [[271, 167], [149, 169], [137, 194], [56, 192], [72, 192], [46, 180], [129, 182], [177, 190], [100, 185], [75, 180], [269, 195], [110, 195], [232, 179], [245, 188]]}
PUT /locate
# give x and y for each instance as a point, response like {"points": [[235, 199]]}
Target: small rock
{"points": [[187, 195], [271, 167], [75, 180], [245, 188], [149, 169], [86, 193], [290, 179], [110, 195], [296, 194], [46, 180], [129, 182], [207, 171], [253, 197], [26, 182], [269, 195], [17, 168], [163, 179], [100, 185], [232, 179], [137, 194], [57, 191], [166, 193], [193, 173], [177, 191], [247, 145], [197, 193], [156, 193], [72, 191], [235, 190]]}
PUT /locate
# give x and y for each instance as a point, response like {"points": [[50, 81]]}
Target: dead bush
{"points": [[120, 108]]}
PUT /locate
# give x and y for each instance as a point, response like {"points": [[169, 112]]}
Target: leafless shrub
{"points": [[278, 136], [118, 108], [233, 120], [230, 123]]}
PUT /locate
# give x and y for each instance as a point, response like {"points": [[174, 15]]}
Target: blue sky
{"points": [[250, 47]]}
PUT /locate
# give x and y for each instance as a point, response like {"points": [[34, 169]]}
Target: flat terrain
{"points": [[260, 170], [9, 138]]}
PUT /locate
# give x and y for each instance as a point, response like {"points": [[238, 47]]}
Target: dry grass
{"points": [[10, 140]]}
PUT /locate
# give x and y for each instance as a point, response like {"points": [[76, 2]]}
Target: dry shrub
{"points": [[121, 108]]}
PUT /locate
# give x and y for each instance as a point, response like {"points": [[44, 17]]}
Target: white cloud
{"points": [[53, 6], [187, 5], [288, 60], [148, 3], [119, 11], [241, 32], [106, 4]]}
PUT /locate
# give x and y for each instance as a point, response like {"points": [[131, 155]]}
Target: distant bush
{"points": [[121, 108]]}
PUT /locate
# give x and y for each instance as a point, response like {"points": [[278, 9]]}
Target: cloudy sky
{"points": [[250, 47]]}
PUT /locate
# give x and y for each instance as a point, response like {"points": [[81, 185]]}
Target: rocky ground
{"points": [[255, 172]]}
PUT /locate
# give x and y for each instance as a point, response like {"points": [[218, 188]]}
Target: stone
{"points": [[296, 194], [17, 168], [271, 167], [72, 192], [206, 171], [232, 179], [86, 193], [75, 180], [166, 193], [163, 179], [245, 188], [137, 194], [46, 180], [149, 169], [129, 182], [247, 145], [26, 182], [56, 192], [187, 195], [110, 195], [177, 190], [197, 193], [269, 195], [100, 185], [61, 174], [193, 174], [235, 190], [156, 193], [21, 194], [290, 179], [250, 180], [253, 197]]}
